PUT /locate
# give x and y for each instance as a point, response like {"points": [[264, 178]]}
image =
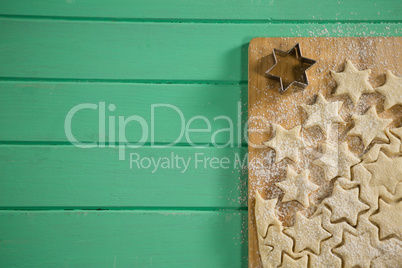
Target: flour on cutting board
{"points": [[326, 175]]}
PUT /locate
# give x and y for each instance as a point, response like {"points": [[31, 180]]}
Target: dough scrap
{"points": [[391, 254], [265, 214], [289, 262], [369, 127], [397, 132], [326, 258], [352, 82], [286, 143], [279, 242], [297, 187], [391, 148], [336, 161], [392, 90], [264, 252], [323, 114], [369, 194]]}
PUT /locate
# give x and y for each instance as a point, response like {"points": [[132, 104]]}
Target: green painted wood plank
{"points": [[387, 10], [123, 239], [146, 51], [36, 111], [67, 176]]}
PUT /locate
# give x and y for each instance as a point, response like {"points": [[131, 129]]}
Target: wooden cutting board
{"points": [[267, 105]]}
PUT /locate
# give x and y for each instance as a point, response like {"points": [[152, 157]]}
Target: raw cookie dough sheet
{"points": [[325, 162]]}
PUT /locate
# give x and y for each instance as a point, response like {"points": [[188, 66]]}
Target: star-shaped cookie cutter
{"points": [[296, 50]]}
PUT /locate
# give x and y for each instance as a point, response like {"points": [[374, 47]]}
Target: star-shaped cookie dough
{"points": [[356, 250], [352, 82], [389, 219], [336, 161], [265, 214], [386, 171], [323, 114], [307, 233], [289, 262], [286, 143], [297, 186], [345, 204], [392, 90], [369, 127]]}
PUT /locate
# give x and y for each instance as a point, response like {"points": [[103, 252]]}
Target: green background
{"points": [[63, 206]]}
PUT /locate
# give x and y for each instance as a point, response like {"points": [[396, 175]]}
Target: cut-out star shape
{"points": [[391, 148], [325, 259], [336, 161], [392, 90], [297, 187], [386, 171], [356, 250], [307, 233], [323, 114], [286, 143], [345, 204], [289, 262], [286, 61], [265, 214], [397, 132], [389, 219], [264, 251], [369, 127], [352, 82], [391, 254], [280, 242]]}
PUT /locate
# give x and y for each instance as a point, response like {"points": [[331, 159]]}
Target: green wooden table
{"points": [[64, 206]]}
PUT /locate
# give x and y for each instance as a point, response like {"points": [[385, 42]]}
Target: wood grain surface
{"points": [[109, 51], [57, 54], [49, 103], [221, 11], [67, 176], [267, 105], [144, 238]]}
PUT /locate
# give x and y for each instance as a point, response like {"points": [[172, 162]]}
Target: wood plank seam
{"points": [[122, 81], [210, 21]]}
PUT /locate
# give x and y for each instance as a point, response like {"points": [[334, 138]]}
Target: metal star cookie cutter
{"points": [[297, 51]]}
